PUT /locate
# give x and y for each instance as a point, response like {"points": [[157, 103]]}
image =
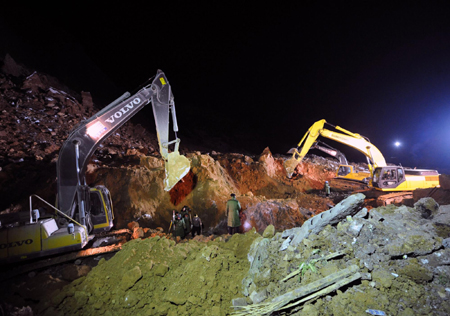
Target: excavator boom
{"points": [[384, 178], [82, 209], [374, 157], [77, 150]]}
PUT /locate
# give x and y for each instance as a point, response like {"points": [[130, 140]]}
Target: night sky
{"points": [[258, 76]]}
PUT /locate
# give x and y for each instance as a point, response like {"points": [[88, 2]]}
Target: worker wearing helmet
{"points": [[232, 212], [178, 225], [185, 214], [327, 188]]}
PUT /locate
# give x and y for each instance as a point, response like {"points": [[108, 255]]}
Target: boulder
{"points": [[427, 206]]}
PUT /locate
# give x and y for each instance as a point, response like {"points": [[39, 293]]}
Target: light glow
{"points": [[95, 130], [247, 226]]}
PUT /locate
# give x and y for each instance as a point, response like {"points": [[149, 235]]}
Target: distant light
{"points": [[397, 144], [247, 226]]}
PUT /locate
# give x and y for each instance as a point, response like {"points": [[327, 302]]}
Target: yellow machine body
{"points": [[400, 179], [348, 172], [39, 239]]}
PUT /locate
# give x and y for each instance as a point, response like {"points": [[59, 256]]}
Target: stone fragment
{"points": [[130, 278], [269, 232], [314, 225], [240, 301], [427, 207], [161, 270], [258, 297]]}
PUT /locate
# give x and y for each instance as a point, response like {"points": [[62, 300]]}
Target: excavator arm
{"points": [[330, 151], [79, 147], [374, 157]]}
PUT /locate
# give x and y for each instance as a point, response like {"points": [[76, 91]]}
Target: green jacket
{"points": [[327, 188], [233, 208], [178, 227], [187, 220]]}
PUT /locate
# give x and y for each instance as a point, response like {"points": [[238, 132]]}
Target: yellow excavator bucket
{"points": [[177, 166]]}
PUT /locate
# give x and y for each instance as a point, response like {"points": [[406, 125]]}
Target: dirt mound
{"points": [[156, 276]]}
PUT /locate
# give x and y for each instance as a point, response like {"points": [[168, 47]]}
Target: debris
{"points": [[314, 290], [375, 312], [328, 257]]}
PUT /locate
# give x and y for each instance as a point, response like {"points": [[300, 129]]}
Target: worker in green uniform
{"points": [[327, 188], [178, 225], [232, 212], [186, 215]]}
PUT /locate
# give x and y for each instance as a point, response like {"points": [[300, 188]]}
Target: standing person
{"points": [[178, 225], [233, 220], [196, 226], [186, 215], [327, 188]]}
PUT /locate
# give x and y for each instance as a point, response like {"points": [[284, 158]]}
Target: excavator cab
{"points": [[344, 170], [393, 178], [348, 172], [388, 177], [101, 211]]}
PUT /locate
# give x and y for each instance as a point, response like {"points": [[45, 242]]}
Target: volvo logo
{"points": [[123, 110], [16, 243]]}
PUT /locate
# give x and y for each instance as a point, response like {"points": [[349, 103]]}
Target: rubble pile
{"points": [[399, 258], [37, 118], [37, 114], [392, 259]]}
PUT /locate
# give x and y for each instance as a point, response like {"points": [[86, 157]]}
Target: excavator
{"points": [[398, 180], [82, 211], [345, 171]]}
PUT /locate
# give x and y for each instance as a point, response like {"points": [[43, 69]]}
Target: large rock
{"points": [[427, 207], [348, 207]]}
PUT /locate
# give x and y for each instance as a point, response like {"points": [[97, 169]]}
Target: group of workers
{"points": [[183, 223]]}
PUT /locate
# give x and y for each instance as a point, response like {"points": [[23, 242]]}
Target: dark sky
{"points": [[260, 76]]}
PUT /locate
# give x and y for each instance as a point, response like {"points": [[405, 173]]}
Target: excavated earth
{"points": [[401, 251]]}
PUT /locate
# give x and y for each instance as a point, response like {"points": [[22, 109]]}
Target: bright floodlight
{"points": [[397, 144]]}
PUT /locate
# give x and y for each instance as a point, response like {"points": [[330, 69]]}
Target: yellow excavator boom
{"points": [[374, 157]]}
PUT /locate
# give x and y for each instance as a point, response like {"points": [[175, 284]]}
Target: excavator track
{"points": [[121, 236], [394, 198]]}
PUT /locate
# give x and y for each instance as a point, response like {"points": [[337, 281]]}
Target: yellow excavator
{"points": [[345, 171], [383, 177], [82, 211]]}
